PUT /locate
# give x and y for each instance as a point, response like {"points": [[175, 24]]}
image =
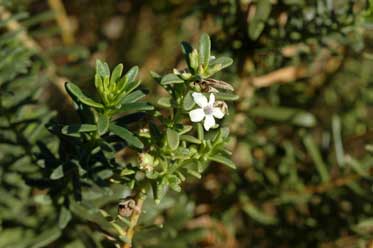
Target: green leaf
{"points": [[75, 91], [122, 83], [164, 101], [360, 168], [200, 131], [75, 129], [118, 99], [364, 227], [131, 86], [257, 23], [174, 182], [337, 136], [102, 68], [256, 27], [188, 102], [93, 215], [105, 174], [156, 76], [187, 49], [132, 73], [223, 160], [57, 173], [314, 152], [192, 167], [106, 84], [190, 139], [98, 83], [222, 62], [64, 218], [117, 72], [204, 50], [107, 149], [173, 139], [102, 123], [194, 60], [185, 129], [194, 173], [128, 136], [294, 116], [136, 107], [159, 190], [133, 97], [255, 213], [126, 172], [226, 96], [171, 79], [46, 237]]}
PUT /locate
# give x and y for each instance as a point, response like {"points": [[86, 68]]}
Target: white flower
{"points": [[207, 111]]}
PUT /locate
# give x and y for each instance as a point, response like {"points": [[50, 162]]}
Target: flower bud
{"points": [[146, 162], [186, 75]]}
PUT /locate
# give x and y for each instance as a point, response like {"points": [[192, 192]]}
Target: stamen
{"points": [[208, 110]]}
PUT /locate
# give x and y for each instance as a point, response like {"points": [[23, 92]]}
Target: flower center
{"points": [[208, 110]]}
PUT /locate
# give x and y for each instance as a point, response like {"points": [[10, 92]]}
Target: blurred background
{"points": [[302, 130]]}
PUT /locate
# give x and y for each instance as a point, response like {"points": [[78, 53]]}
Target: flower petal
{"points": [[216, 112], [200, 99], [196, 115], [212, 99], [209, 122]]}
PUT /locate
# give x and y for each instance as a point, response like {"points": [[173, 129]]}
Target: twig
{"points": [[63, 21], [326, 63], [329, 185], [338, 182], [283, 75], [134, 219], [206, 221]]}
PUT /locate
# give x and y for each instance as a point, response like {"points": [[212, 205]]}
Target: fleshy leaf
{"points": [[164, 101], [133, 97], [64, 218], [57, 173], [222, 61], [173, 139], [102, 68], [117, 72], [204, 50], [132, 73], [223, 160], [136, 107], [171, 79], [187, 49], [226, 96], [75, 129], [128, 136], [190, 139], [188, 102], [75, 91], [102, 124]]}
